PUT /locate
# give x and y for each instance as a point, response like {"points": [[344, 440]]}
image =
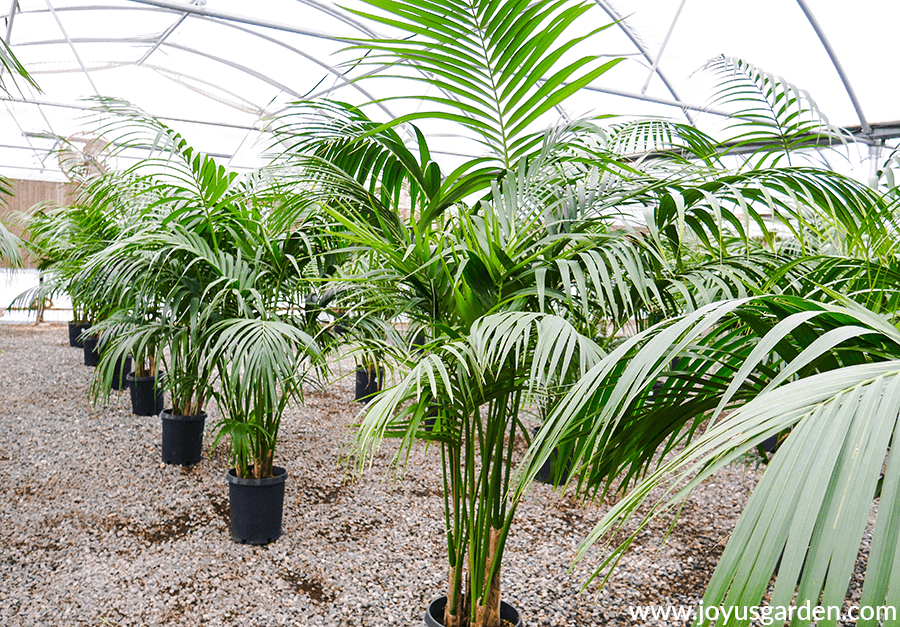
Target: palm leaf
{"points": [[815, 497], [13, 66], [498, 65], [771, 116]]}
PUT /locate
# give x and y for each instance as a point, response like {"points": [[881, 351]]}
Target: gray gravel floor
{"points": [[95, 530]]}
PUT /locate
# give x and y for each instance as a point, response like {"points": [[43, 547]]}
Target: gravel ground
{"points": [[96, 530]]}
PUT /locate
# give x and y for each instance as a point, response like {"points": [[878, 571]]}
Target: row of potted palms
{"points": [[203, 280], [628, 285]]}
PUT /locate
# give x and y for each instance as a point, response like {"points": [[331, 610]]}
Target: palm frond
{"points": [[771, 116], [834, 380], [10, 64], [10, 247], [499, 66]]}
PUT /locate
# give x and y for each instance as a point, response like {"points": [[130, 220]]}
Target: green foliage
{"points": [[10, 247], [628, 284], [770, 115], [10, 64], [833, 382], [210, 280], [525, 268], [499, 66]]}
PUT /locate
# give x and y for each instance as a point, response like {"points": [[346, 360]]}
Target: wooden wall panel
{"points": [[26, 194]]}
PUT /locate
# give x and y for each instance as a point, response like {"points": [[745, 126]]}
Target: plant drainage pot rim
{"points": [[75, 330], [434, 615], [280, 477], [130, 377], [168, 415]]}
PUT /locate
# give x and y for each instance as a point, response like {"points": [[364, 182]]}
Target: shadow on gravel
{"points": [[220, 507], [171, 528], [311, 587], [320, 496]]}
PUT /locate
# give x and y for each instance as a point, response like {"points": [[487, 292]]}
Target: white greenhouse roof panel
{"points": [[217, 69]]}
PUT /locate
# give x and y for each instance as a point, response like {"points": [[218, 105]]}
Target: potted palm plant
{"points": [[371, 335], [62, 238], [523, 290], [158, 269], [225, 271], [145, 386]]}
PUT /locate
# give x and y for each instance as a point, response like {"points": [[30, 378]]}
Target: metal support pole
{"points": [[13, 9]]}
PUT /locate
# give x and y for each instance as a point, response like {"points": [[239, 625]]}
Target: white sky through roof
{"points": [[212, 69]]}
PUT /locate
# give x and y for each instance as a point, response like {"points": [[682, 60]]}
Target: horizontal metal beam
{"points": [[79, 107], [178, 7], [662, 101], [878, 131], [218, 155], [168, 44], [343, 80]]}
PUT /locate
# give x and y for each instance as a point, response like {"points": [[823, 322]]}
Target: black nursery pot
{"points": [[75, 331], [91, 354], [146, 397], [182, 438], [368, 382], [434, 615], [122, 367], [431, 420], [256, 507], [554, 469]]}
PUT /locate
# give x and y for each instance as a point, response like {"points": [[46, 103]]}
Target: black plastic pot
{"points": [[368, 382], [554, 469], [146, 397], [431, 420], [418, 342], [75, 331], [182, 438], [434, 615], [91, 354], [256, 507], [120, 370]]}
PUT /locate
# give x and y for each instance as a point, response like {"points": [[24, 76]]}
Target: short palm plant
{"points": [[223, 263], [524, 290], [63, 238]]}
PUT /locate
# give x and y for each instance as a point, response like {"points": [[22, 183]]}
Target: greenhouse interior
{"points": [[460, 313]]}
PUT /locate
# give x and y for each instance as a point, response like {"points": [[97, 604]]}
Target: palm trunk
{"points": [[488, 615], [460, 618]]}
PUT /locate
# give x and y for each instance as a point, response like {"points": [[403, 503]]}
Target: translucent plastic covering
{"points": [[216, 69]]}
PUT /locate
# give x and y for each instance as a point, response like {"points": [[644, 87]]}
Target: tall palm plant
{"points": [[814, 360], [524, 290]]}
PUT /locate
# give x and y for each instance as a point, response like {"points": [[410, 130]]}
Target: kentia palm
{"points": [[818, 361], [63, 239], [449, 267], [228, 262]]}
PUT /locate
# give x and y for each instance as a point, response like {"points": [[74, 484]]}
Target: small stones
{"points": [[95, 530]]}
